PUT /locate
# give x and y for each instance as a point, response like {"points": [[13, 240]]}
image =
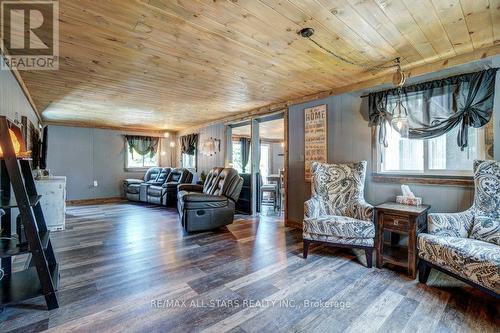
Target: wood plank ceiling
{"points": [[165, 64]]}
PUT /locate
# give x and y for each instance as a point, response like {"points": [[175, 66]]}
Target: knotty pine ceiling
{"points": [[165, 64]]}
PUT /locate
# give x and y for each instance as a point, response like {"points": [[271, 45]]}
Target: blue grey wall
{"points": [[14, 105], [87, 154], [204, 162], [13, 102], [349, 139]]}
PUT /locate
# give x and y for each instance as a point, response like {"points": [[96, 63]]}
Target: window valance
{"points": [[142, 145], [436, 107], [189, 143]]}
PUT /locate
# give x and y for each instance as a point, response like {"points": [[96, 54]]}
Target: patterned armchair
{"points": [[467, 245], [337, 212]]}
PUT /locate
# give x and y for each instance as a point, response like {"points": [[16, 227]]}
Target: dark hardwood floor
{"points": [[129, 267]]}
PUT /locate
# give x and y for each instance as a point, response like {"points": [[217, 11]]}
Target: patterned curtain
{"points": [[142, 145], [245, 153], [436, 107], [189, 143]]}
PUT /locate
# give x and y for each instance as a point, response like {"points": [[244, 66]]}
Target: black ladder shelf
{"points": [[42, 275]]}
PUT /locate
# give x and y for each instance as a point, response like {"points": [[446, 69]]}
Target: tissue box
{"points": [[408, 200]]}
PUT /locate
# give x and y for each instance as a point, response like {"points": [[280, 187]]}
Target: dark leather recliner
{"points": [[212, 205], [132, 187], [177, 176], [155, 193]]}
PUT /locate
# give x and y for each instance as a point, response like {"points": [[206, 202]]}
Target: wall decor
{"points": [[210, 147], [315, 137]]}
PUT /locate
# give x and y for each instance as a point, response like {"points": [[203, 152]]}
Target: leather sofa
{"points": [[212, 205], [169, 188], [154, 176], [154, 193]]}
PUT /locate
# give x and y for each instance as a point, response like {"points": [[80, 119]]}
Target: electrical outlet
{"points": [[95, 183]]}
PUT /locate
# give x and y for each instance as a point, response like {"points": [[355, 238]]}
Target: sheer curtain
{"points": [[437, 107]]}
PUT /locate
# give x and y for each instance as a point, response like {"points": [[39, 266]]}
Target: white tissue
{"points": [[407, 192]]}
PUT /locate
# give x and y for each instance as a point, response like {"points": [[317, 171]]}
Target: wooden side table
{"points": [[399, 220]]}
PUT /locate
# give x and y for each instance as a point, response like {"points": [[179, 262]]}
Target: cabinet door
{"points": [[53, 203]]}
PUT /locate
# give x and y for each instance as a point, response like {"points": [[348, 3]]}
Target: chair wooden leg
{"points": [[423, 271], [369, 257], [306, 248]]}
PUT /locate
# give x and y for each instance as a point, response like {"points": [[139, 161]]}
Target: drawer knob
{"points": [[397, 221]]}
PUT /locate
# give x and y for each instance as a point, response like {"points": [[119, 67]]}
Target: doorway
{"points": [[240, 140], [257, 151], [270, 185]]}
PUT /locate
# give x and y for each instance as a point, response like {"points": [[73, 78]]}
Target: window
{"points": [[237, 160], [264, 161], [136, 161], [237, 156], [438, 156], [189, 161], [435, 109]]}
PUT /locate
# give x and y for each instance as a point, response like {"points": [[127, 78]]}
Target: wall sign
{"points": [[315, 137]]}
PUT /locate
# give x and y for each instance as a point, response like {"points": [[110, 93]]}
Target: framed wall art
{"points": [[315, 137]]}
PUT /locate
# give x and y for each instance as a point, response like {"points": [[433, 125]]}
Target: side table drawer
{"points": [[395, 222]]}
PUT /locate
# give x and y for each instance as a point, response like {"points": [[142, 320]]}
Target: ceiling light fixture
{"points": [[400, 121], [399, 78], [306, 32]]}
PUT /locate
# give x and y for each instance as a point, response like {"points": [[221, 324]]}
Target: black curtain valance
{"points": [[142, 145], [189, 143], [436, 107]]}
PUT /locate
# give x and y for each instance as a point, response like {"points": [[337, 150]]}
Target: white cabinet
{"points": [[53, 201]]}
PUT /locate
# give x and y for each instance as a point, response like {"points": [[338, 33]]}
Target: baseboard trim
{"points": [[293, 224], [96, 201]]}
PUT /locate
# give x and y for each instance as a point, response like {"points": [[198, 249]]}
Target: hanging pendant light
{"points": [[400, 121]]}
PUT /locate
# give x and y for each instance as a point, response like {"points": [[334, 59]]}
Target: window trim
{"points": [[463, 181], [143, 168]]}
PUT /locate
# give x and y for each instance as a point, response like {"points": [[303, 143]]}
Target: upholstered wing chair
{"points": [[467, 245], [337, 212]]}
